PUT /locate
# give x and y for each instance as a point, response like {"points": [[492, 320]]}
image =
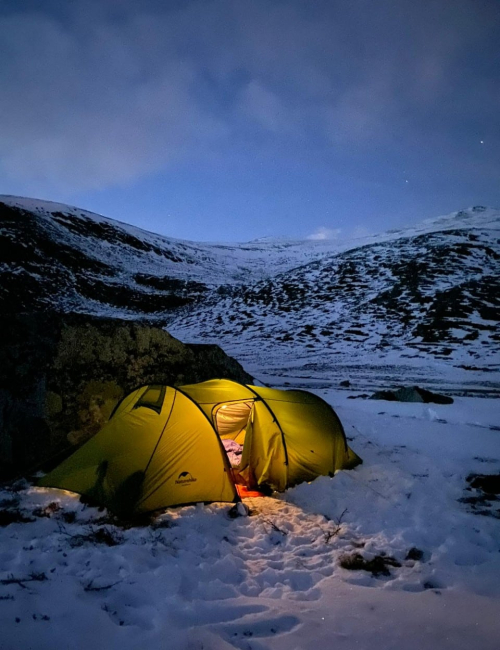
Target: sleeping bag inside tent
{"points": [[166, 446]]}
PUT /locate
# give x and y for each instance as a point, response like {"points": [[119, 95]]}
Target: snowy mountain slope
{"points": [[90, 262], [430, 291], [434, 287], [435, 294], [126, 249], [57, 256]]}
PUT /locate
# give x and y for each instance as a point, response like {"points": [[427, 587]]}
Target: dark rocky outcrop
{"points": [[488, 483], [412, 394], [482, 494], [61, 376]]}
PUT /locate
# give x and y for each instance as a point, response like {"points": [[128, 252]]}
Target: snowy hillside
{"points": [[426, 294], [420, 298], [120, 253]]}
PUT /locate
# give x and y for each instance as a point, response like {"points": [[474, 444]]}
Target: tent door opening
{"points": [[233, 421]]}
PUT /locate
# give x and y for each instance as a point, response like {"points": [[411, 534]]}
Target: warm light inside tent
{"points": [[232, 419]]}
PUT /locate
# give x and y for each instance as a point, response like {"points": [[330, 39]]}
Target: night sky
{"points": [[238, 119]]}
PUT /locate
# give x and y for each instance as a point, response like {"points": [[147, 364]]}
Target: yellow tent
{"points": [[163, 446]]}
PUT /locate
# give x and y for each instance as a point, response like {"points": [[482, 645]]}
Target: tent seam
{"points": [[162, 431]]}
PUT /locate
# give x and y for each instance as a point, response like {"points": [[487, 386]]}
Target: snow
{"points": [[196, 578], [337, 314]]}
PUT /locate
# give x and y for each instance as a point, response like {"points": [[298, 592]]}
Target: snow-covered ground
{"points": [[195, 579]]}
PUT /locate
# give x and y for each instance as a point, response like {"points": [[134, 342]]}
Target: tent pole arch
{"points": [[275, 419]]}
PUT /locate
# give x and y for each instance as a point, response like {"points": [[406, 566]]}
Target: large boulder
{"points": [[61, 376]]}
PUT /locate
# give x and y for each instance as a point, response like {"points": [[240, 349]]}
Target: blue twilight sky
{"points": [[238, 119]]}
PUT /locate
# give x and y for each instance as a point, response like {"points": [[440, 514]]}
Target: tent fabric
{"points": [[162, 446]]}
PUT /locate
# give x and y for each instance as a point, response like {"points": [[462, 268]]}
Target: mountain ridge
{"points": [[474, 216], [426, 292]]}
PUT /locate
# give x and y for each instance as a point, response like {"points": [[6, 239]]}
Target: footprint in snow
{"points": [[239, 634]]}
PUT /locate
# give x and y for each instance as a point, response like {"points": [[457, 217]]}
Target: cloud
{"points": [[83, 111], [102, 93], [361, 113], [263, 106], [322, 233]]}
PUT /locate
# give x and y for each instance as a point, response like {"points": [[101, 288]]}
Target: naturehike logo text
{"points": [[184, 478]]}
